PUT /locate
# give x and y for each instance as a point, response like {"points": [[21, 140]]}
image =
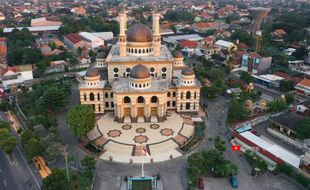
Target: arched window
{"points": [[91, 96], [85, 98], [188, 95], [181, 95], [168, 103], [154, 99], [98, 96], [106, 95], [115, 69], [195, 95], [127, 100], [173, 103], [139, 51], [140, 86], [135, 50], [188, 105], [168, 94], [173, 94], [181, 106], [111, 94], [140, 100]]}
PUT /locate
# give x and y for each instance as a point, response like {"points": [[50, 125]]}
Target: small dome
{"points": [[139, 33], [140, 72], [101, 55], [92, 73], [178, 54], [187, 71]]}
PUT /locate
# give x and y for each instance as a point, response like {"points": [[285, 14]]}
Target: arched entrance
{"points": [[127, 110], [154, 106], [140, 108]]}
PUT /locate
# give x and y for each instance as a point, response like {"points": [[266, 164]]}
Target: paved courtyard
{"points": [[126, 142]]}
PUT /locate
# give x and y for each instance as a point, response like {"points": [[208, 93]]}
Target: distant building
{"points": [[254, 63], [226, 45], [35, 30], [3, 47], [79, 11], [272, 153], [284, 127], [303, 87], [2, 16], [84, 39], [44, 22], [279, 34], [16, 75], [203, 27], [268, 80]]}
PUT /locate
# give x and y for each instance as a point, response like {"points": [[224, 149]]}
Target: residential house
{"points": [[16, 75], [255, 63], [303, 87], [203, 27]]}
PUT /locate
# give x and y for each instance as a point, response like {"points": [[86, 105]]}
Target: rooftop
{"points": [[289, 120], [114, 56], [274, 149], [305, 82], [157, 85], [33, 29]]}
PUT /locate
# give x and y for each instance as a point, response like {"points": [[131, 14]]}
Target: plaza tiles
{"points": [[124, 142]]}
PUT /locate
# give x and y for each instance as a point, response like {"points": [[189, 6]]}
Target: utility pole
{"points": [[66, 160]]}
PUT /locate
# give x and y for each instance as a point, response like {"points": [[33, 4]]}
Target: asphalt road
{"points": [[18, 175]]}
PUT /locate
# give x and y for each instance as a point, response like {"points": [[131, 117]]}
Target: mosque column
{"points": [[122, 34]]}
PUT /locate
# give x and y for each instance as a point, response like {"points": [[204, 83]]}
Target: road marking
{"points": [[4, 182], [28, 168]]}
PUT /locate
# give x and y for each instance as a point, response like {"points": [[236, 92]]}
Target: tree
{"points": [[33, 148], [246, 77], [5, 106], [278, 104], [55, 181], [7, 141], [4, 124], [219, 144], [236, 111], [303, 131], [300, 53], [81, 119], [54, 99], [90, 164], [286, 85]]}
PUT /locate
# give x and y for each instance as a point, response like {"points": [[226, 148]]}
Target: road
{"points": [[18, 175]]}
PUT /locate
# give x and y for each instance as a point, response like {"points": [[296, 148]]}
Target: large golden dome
{"points": [[139, 33], [139, 72]]}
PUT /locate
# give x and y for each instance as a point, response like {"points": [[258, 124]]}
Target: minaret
{"points": [[156, 34], [122, 34]]}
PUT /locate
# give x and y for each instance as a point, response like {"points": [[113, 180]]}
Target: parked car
{"points": [[201, 184], [233, 182]]}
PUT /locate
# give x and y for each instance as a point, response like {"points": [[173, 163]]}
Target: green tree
{"points": [[81, 119], [219, 144], [88, 174], [278, 104], [303, 131], [7, 141], [26, 135], [54, 99], [5, 106], [286, 85], [4, 124], [236, 111], [55, 181], [246, 77], [33, 148]]}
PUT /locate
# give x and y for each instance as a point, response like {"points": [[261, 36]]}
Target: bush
{"points": [[294, 174]]}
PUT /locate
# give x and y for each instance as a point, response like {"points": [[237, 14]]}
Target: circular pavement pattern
{"points": [[126, 127], [166, 132], [141, 139], [154, 126], [114, 133], [140, 130]]}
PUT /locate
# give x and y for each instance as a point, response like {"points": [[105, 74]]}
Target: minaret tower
{"points": [[122, 34], [156, 34]]}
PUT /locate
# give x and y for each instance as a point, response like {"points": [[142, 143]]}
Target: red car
{"points": [[201, 184]]}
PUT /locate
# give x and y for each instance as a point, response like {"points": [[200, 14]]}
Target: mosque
{"points": [[139, 80]]}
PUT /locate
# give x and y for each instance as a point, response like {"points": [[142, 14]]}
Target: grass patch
{"points": [[294, 174]]}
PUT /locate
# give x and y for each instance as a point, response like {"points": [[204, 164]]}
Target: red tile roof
{"points": [[280, 32], [188, 43], [74, 38], [305, 82]]}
